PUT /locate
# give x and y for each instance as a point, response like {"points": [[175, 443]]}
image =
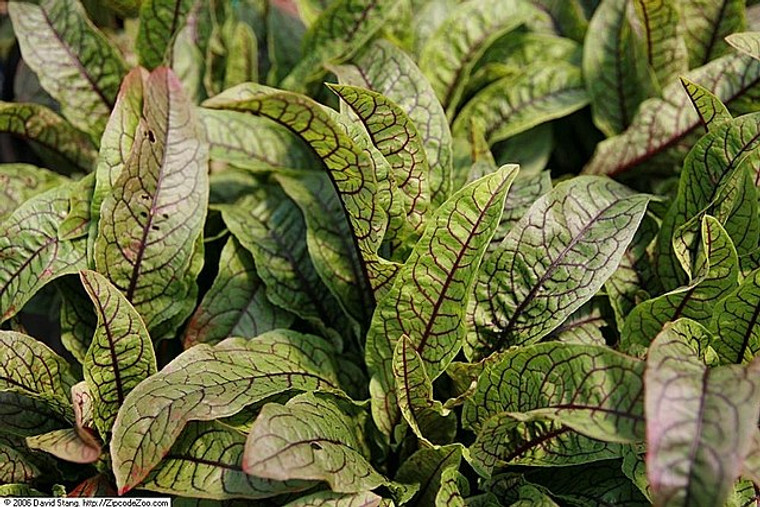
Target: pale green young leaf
{"points": [[746, 42], [19, 182], [706, 24], [662, 123], [350, 168], [17, 463], [206, 383], [568, 16], [337, 34], [634, 467], [285, 34], [74, 61], [525, 439], [121, 353], [270, 226], [234, 57], [151, 223], [78, 320], [312, 437], [83, 404], [255, 143], [328, 237], [700, 421], [591, 389], [386, 69], [452, 492], [514, 104], [711, 110], [397, 139], [735, 321], [77, 222], [529, 495], [450, 54], [716, 275], [427, 301], [523, 48], [160, 21], [206, 462], [32, 253], [428, 17], [425, 467], [663, 38], [75, 446], [615, 67], [42, 126], [558, 256], [236, 304], [330, 499]]}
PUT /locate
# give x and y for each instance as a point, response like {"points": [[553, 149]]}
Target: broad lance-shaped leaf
{"points": [[706, 24], [19, 182], [236, 304], [73, 60], [206, 383], [428, 299], [67, 444], [312, 437], [425, 467], [330, 499], [524, 439], [160, 20], [394, 134], [328, 237], [515, 104], [711, 110], [662, 123], [206, 462], [662, 34], [557, 257], [717, 275], [31, 252], [343, 28], [700, 421], [736, 320], [349, 167], [121, 353], [150, 224], [271, 227], [592, 389], [615, 67], [386, 69], [450, 54], [42, 126], [251, 142]]}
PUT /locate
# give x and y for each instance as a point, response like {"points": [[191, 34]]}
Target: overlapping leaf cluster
{"points": [[395, 289]]}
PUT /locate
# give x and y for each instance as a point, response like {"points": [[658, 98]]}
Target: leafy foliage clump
{"points": [[311, 253]]}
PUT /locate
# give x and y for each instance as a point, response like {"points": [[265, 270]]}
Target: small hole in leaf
{"points": [[316, 446], [145, 196], [155, 227], [151, 136], [143, 214], [164, 216]]}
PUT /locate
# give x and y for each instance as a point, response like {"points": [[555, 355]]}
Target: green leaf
{"points": [[662, 123], [206, 462], [591, 389], [74, 61], [615, 67], [231, 56], [17, 463], [78, 320], [634, 467], [450, 54], [285, 34], [253, 143], [236, 304], [428, 299], [451, 493], [662, 33], [707, 23], [312, 437], [121, 353], [531, 149], [19, 490], [32, 253], [341, 29], [67, 444], [425, 467], [515, 104], [558, 256], [328, 237], [271, 227], [717, 275], [206, 383], [711, 110], [330, 499], [735, 321], [700, 421], [160, 20], [396, 137], [20, 182], [387, 70], [584, 326], [746, 42], [24, 414], [151, 221], [45, 128]]}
